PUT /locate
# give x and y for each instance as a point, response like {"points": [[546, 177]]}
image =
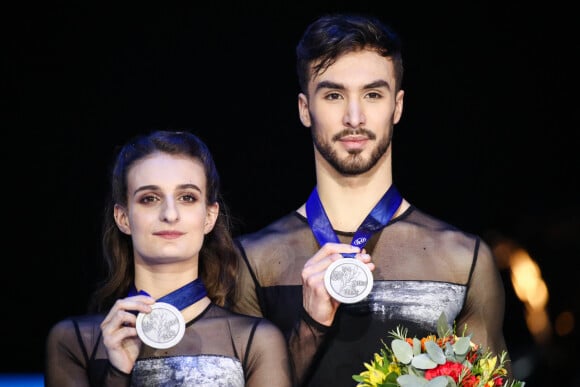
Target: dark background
{"points": [[488, 139]]}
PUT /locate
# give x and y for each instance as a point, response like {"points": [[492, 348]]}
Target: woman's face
{"points": [[166, 215]]}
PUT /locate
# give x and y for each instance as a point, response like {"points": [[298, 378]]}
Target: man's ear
{"points": [[211, 217], [303, 111], [122, 219], [398, 106]]}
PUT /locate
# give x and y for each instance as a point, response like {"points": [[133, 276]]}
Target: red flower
{"points": [[448, 369], [470, 381]]}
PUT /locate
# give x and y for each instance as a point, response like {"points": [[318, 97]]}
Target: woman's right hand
{"points": [[119, 332]]}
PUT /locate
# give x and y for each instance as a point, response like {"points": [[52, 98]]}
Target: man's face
{"points": [[351, 109]]}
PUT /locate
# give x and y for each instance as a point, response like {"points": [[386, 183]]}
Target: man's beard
{"points": [[353, 164]]}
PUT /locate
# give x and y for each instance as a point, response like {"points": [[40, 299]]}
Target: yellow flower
{"points": [[488, 365], [413, 360], [394, 367], [372, 377]]}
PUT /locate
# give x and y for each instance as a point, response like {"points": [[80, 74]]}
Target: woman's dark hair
{"points": [[217, 257], [334, 35]]}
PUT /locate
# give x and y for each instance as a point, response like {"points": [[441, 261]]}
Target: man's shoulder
{"points": [[285, 227], [440, 230], [426, 220]]}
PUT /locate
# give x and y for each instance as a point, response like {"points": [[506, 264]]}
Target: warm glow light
{"points": [[538, 324], [564, 324], [527, 280], [531, 289]]}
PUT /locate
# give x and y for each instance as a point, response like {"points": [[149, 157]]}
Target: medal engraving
{"points": [[163, 328], [348, 280]]}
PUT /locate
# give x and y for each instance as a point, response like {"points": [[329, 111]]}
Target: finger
{"points": [[118, 320], [366, 259], [131, 305], [117, 338]]}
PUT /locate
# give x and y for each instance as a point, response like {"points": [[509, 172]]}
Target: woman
{"points": [[160, 316]]}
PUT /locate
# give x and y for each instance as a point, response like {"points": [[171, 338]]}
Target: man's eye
{"points": [[374, 95], [333, 96]]}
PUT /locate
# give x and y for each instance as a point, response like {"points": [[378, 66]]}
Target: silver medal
{"points": [[348, 280], [163, 328]]}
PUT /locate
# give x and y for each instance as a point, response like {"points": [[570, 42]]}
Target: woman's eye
{"points": [[189, 198], [148, 199]]}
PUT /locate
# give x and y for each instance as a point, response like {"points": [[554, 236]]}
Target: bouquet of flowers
{"points": [[445, 360]]}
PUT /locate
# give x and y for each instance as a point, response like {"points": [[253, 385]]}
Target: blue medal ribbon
{"points": [[181, 298], [378, 218]]}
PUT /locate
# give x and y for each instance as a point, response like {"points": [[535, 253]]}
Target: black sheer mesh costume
{"points": [[423, 267], [220, 348]]}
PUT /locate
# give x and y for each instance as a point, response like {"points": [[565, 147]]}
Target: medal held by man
{"points": [[348, 280]]}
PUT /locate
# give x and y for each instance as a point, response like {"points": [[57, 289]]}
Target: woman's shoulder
{"points": [[76, 328], [80, 321]]}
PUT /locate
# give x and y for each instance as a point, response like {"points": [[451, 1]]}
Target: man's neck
{"points": [[348, 201]]}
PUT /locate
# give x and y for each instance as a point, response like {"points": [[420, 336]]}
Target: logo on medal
{"points": [[163, 328], [348, 280]]}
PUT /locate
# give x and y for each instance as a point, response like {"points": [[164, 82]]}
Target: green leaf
{"points": [[416, 346], [441, 381], [411, 381], [449, 352], [462, 346], [423, 361], [443, 327], [435, 352], [402, 350]]}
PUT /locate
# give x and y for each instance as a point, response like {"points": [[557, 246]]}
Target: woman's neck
{"points": [[160, 280]]}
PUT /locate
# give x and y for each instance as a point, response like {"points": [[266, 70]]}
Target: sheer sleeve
{"points": [[68, 348], [304, 342], [484, 307], [268, 361], [246, 297]]}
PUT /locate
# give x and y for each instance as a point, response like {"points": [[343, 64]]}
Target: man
{"points": [[300, 269]]}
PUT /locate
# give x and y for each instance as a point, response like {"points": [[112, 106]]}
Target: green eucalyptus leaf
{"points": [[435, 352], [462, 346], [402, 350], [443, 328], [411, 381], [441, 381], [416, 346], [423, 361], [449, 352]]}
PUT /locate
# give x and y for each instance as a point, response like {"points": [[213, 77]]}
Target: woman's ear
{"points": [[122, 219], [211, 217]]}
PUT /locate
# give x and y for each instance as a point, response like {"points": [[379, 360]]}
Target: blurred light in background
{"points": [[532, 291]]}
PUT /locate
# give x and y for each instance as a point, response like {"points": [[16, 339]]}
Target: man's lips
{"points": [[354, 142]]}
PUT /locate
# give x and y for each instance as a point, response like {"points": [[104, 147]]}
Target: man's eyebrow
{"points": [[339, 86], [377, 84], [329, 85]]}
